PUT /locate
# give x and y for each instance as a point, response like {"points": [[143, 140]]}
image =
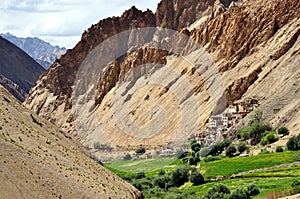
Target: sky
{"points": [[61, 22]]}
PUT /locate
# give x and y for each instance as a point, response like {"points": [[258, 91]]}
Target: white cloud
{"points": [[61, 22]]}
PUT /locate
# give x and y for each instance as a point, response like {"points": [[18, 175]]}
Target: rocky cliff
{"points": [[251, 48]]}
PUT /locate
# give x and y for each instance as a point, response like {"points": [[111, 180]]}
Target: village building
{"points": [[219, 124]]}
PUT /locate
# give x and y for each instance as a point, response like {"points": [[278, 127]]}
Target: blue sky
{"points": [[61, 22]]}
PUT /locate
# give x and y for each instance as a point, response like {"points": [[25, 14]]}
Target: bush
{"points": [[279, 149], [242, 147], [196, 178], [283, 131], [223, 145], [127, 157], [161, 172], [140, 175], [253, 190], [230, 151], [217, 191], [195, 146], [295, 183], [211, 158], [264, 151], [294, 143], [180, 176], [239, 194], [140, 151], [269, 137], [193, 161]]}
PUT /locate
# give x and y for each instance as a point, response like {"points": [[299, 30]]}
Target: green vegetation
{"points": [[279, 149], [226, 167], [230, 151], [127, 157], [161, 173], [140, 151], [283, 131], [294, 143], [242, 147]]}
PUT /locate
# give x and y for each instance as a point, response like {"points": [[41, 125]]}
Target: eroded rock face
{"points": [[250, 43]]}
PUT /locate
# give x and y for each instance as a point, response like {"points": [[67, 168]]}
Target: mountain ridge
{"points": [[43, 52], [248, 48]]}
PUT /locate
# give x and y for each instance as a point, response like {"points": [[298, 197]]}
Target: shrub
{"points": [[230, 151], [193, 161], [180, 176], [295, 183], [269, 137], [294, 143], [242, 147], [217, 191], [283, 131], [264, 151], [161, 172], [223, 145], [196, 178], [253, 190], [140, 151], [211, 158], [127, 157], [279, 149], [195, 146], [140, 175], [239, 194]]}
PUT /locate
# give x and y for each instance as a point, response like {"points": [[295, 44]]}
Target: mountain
{"points": [[103, 91], [18, 71], [38, 160], [42, 52]]}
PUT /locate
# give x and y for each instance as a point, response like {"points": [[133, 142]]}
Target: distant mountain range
{"points": [[18, 71], [42, 52]]}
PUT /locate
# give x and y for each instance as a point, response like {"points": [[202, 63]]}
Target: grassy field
{"points": [[229, 166], [149, 166], [269, 181]]}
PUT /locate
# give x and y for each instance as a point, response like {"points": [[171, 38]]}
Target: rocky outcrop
{"points": [[179, 14], [251, 44], [17, 67]]}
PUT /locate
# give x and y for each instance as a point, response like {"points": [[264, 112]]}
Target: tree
{"points": [[140, 151], [253, 190], [242, 147], [127, 157], [195, 146], [239, 194], [230, 151], [217, 191], [294, 143], [180, 176], [223, 145], [283, 131], [196, 178]]}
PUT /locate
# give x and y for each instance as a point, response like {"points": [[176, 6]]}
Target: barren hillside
{"points": [[40, 161]]}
